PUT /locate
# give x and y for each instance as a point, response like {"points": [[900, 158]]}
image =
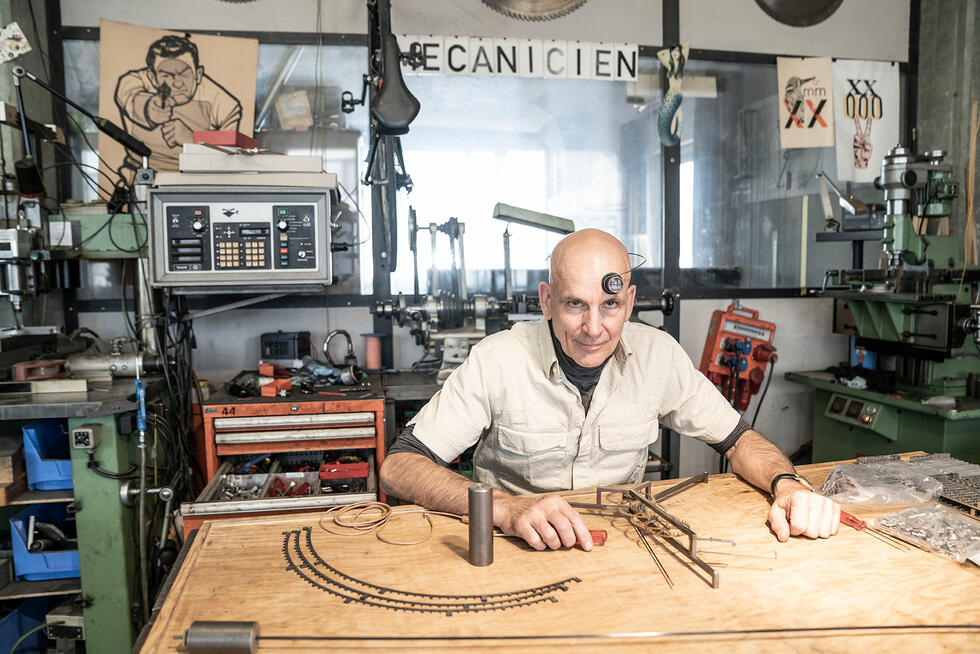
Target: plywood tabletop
{"points": [[238, 571]]}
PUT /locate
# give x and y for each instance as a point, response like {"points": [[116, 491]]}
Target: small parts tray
{"points": [[293, 484], [332, 492], [337, 470]]}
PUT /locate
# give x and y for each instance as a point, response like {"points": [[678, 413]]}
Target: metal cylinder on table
{"points": [[481, 524], [222, 638]]}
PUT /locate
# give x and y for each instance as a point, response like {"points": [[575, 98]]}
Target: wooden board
{"points": [[236, 571], [11, 458], [10, 492]]}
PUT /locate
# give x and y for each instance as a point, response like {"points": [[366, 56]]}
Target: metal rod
{"points": [[508, 280], [145, 321], [481, 524], [692, 549], [433, 271], [644, 634], [20, 110], [888, 539], [749, 556], [653, 554], [462, 263]]}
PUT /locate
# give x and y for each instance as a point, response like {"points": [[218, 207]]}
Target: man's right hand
{"points": [[544, 521], [158, 109]]}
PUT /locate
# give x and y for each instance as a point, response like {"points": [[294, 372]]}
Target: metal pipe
{"points": [[124, 364], [18, 73], [481, 524], [222, 638], [462, 264], [508, 281], [146, 324], [434, 271], [281, 79], [144, 568]]}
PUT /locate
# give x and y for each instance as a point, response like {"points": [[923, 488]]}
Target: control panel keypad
{"points": [[204, 237]]}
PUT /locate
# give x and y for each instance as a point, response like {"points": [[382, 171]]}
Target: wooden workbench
{"points": [[236, 570]]}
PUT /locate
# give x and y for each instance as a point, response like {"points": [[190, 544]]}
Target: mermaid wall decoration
{"points": [[670, 120]]}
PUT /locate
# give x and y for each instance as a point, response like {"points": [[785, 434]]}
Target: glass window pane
{"points": [[742, 220], [583, 150]]}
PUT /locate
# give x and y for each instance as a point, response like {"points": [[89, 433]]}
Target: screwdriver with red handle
{"points": [[860, 525]]}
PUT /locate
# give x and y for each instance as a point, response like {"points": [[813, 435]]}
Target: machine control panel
{"points": [[243, 239], [860, 413]]}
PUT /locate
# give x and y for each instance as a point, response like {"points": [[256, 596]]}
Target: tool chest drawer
{"points": [[232, 426], [280, 488]]}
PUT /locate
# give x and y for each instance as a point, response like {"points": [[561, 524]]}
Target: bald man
{"points": [[573, 401]]}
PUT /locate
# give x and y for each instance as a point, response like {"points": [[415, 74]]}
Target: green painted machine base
{"points": [[899, 425], [106, 552]]}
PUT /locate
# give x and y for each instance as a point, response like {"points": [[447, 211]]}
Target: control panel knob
{"points": [[197, 225], [282, 225]]}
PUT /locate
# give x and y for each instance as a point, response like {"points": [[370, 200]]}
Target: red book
{"points": [[225, 137]]}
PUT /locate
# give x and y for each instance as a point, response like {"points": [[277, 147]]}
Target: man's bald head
{"points": [[586, 320], [589, 250]]}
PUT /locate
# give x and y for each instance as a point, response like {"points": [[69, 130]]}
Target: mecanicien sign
{"points": [[510, 57]]}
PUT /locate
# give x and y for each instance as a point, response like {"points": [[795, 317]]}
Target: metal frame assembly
{"points": [[644, 513], [310, 566]]}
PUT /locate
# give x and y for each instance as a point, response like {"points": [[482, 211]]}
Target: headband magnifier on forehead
{"points": [[613, 282]]}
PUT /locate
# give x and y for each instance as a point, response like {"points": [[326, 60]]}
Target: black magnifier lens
{"points": [[612, 283]]}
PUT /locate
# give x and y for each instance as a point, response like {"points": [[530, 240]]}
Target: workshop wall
{"points": [[859, 29], [949, 82], [730, 25]]}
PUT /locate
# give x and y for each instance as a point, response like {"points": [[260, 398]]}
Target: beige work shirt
{"points": [[534, 435]]}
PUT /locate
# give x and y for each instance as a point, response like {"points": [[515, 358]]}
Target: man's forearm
{"points": [[757, 460], [541, 520], [415, 478], [794, 511]]}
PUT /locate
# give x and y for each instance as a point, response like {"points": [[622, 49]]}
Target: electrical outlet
{"points": [[86, 437]]}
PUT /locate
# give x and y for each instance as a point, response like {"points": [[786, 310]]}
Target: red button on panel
{"points": [[283, 250]]}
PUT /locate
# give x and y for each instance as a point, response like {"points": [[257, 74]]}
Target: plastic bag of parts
{"points": [[935, 528], [894, 483]]}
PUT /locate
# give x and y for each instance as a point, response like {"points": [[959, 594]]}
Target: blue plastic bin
{"points": [[35, 566], [47, 455], [25, 617]]}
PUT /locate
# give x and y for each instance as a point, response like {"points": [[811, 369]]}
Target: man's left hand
{"points": [[797, 511]]}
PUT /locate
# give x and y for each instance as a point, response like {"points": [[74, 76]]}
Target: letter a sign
{"points": [[806, 102]]}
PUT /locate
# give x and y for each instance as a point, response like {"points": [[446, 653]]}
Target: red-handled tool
{"points": [[598, 538], [860, 525], [849, 520]]}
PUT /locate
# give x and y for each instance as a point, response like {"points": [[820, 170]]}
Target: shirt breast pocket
{"points": [[623, 451], [538, 456]]}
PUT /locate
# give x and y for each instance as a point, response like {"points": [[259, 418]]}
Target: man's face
{"points": [[179, 75], [587, 321]]}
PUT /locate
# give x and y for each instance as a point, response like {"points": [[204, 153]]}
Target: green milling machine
{"points": [[919, 313]]}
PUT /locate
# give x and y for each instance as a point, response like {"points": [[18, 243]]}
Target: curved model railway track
{"points": [[302, 558]]}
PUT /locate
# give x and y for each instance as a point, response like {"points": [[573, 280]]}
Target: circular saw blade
{"points": [[799, 13], [538, 10]]}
